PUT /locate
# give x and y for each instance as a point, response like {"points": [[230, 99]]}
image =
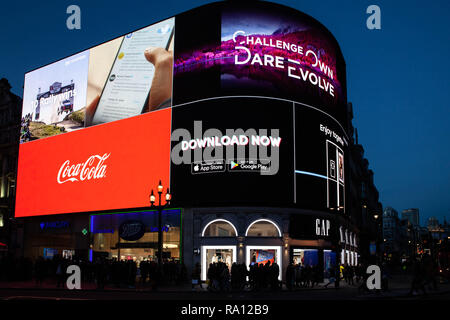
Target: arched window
{"points": [[263, 228], [219, 228]]}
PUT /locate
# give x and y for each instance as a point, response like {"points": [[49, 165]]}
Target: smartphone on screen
{"points": [[332, 169], [128, 84]]}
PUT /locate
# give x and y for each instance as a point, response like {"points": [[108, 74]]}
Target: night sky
{"points": [[397, 77]]}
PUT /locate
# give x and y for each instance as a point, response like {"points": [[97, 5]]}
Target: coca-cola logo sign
{"points": [[93, 168], [131, 230]]}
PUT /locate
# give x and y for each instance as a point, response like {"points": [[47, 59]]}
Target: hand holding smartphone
{"points": [[125, 93]]}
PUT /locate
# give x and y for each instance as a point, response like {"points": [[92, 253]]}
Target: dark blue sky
{"points": [[398, 77]]}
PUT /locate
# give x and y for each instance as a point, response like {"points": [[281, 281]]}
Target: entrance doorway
{"points": [[263, 254], [305, 257], [215, 254]]}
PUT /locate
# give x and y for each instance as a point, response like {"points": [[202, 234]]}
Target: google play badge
{"points": [[233, 165]]}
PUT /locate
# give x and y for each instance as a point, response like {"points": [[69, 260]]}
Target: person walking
{"points": [[60, 273], [418, 280], [196, 276], [100, 274], [350, 274], [337, 276], [235, 276], [274, 272], [331, 277], [39, 269], [290, 276]]}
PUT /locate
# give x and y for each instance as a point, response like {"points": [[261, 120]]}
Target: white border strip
{"points": [[223, 220], [263, 97], [265, 220], [311, 174]]}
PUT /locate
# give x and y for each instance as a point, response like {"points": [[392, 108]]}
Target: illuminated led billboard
{"points": [[96, 168], [109, 82], [53, 92], [227, 104], [260, 49]]}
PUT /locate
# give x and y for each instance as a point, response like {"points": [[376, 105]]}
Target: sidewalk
{"points": [[399, 286], [91, 286]]}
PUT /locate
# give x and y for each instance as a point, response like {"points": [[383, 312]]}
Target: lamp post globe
{"points": [[159, 207]]}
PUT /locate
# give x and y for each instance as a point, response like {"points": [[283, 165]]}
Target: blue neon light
{"points": [[103, 231], [95, 218], [163, 229], [311, 174], [54, 225]]}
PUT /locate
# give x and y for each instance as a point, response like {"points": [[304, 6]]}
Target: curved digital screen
{"points": [[258, 73], [259, 49]]}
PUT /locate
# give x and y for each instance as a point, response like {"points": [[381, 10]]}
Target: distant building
{"points": [[436, 230], [390, 225], [10, 113], [414, 232], [395, 235], [412, 215], [365, 207], [432, 224]]}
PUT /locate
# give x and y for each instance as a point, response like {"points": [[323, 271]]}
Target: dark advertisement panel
{"points": [[320, 145], [233, 151]]}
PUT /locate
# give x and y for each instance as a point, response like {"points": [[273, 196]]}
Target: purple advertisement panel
{"points": [[265, 50], [282, 54]]}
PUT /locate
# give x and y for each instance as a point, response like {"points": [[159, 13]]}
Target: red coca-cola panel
{"points": [[108, 166]]}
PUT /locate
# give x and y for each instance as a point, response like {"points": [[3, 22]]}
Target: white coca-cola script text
{"points": [[93, 168]]}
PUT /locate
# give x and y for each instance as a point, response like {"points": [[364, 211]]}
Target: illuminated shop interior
{"points": [[107, 243]]}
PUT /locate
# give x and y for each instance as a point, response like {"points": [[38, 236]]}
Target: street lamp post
{"points": [[160, 207], [377, 240]]}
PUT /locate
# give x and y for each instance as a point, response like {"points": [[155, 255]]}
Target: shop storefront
{"points": [[64, 235], [232, 238], [314, 241], [264, 255], [134, 235], [206, 236], [258, 236], [348, 242]]}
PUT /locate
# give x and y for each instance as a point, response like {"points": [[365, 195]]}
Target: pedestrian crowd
{"points": [[222, 278], [102, 272], [301, 276], [424, 275]]}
